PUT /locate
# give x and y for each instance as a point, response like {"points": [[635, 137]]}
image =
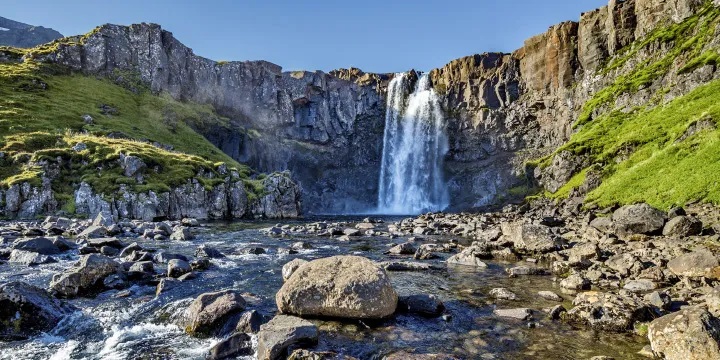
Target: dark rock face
{"points": [[327, 130], [26, 310], [17, 34]]}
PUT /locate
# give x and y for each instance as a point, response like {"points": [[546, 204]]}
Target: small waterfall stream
{"points": [[414, 144]]}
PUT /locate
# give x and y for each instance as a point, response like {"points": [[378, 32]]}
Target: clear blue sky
{"points": [[374, 35]]}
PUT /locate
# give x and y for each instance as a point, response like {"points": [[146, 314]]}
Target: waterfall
{"points": [[414, 143]]}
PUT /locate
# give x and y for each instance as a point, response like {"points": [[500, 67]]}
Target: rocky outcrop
{"points": [[326, 129], [17, 34]]}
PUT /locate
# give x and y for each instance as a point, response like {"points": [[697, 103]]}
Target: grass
{"points": [[41, 119]]}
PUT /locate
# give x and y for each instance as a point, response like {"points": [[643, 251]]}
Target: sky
{"points": [[373, 35]]}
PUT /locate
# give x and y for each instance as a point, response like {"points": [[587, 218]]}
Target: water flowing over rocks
{"points": [[340, 286], [27, 310]]}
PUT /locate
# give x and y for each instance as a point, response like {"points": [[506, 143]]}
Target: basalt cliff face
{"points": [[503, 110], [17, 34]]}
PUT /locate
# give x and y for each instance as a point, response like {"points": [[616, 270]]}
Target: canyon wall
{"points": [[502, 109]]}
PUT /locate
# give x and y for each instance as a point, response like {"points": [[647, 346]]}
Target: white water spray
{"points": [[411, 178]]}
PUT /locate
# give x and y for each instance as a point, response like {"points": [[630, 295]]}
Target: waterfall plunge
{"points": [[411, 178]]}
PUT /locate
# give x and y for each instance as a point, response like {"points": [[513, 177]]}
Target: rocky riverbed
{"points": [[548, 282]]}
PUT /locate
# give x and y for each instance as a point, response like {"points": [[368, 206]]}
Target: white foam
{"points": [[125, 338], [65, 351]]}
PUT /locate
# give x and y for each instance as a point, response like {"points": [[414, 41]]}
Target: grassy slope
{"points": [[660, 169], [41, 108]]}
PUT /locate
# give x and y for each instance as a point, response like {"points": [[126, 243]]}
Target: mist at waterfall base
{"points": [[414, 144]]}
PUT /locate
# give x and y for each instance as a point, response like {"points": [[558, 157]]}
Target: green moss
{"points": [[575, 182]]}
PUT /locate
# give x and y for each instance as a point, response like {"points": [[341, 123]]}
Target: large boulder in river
{"points": [[689, 334], [85, 277], [26, 310], [38, 245], [338, 286], [209, 311], [282, 332], [531, 238], [638, 219]]}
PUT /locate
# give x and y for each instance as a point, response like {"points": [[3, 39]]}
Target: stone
{"points": [[466, 257], [301, 245], [425, 252], [177, 268], [38, 245], [92, 232], [695, 264], [236, 345], [85, 277], [103, 219], [208, 312], [408, 266], [109, 251], [525, 270], [132, 165], [402, 249], [352, 232], [682, 226], [338, 286], [163, 257], [165, 284], [529, 238], [204, 251], [583, 253], [302, 354], [289, 268], [658, 299], [28, 258], [249, 322], [556, 312], [27, 311], [689, 334], [549, 295], [607, 311], [638, 219], [282, 332], [519, 313], [426, 305], [503, 294], [182, 234], [640, 285], [575, 282], [141, 269]]}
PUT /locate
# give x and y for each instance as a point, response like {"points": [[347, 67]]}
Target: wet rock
{"points": [[402, 249], [408, 266], [190, 222], [106, 241], [253, 251], [658, 299], [556, 312], [466, 257], [126, 251], [529, 238], [352, 232], [575, 282], [689, 334], [338, 286], [289, 268], [163, 257], [236, 345], [519, 313], [640, 285], [638, 219], [549, 295], [302, 354], [249, 322], [141, 269], [503, 294], [682, 226], [182, 234], [208, 312], [426, 252], [109, 251], [525, 270], [282, 332], [177, 268], [200, 264], [85, 277], [607, 311], [38, 245], [695, 264], [26, 311], [28, 258], [301, 245], [166, 284], [204, 251], [92, 232], [426, 305]]}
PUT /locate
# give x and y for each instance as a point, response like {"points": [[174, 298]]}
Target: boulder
{"points": [[689, 334], [249, 322], [38, 245], [280, 333], [695, 264], [503, 294], [92, 232], [638, 219], [426, 252], [236, 345], [581, 254], [402, 249], [519, 313], [575, 282], [182, 234], [208, 312], [683, 226], [26, 311], [338, 286], [28, 258], [466, 257], [426, 305], [549, 295], [289, 268], [85, 277], [204, 251], [530, 238], [607, 311]]}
